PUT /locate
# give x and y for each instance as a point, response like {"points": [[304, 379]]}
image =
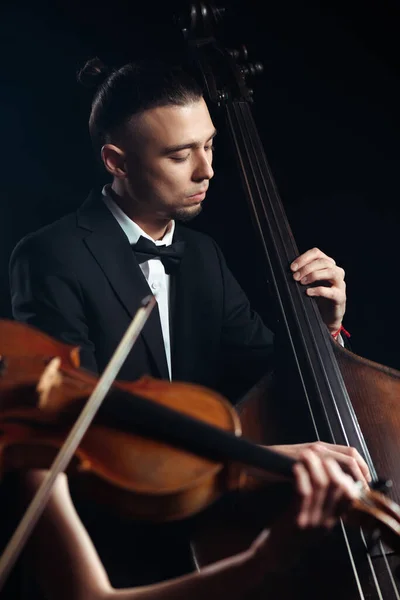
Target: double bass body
{"points": [[318, 390], [274, 412]]}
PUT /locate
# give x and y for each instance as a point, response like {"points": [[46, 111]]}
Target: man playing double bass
{"points": [[81, 280]]}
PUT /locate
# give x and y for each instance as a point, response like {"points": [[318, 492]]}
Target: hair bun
{"points": [[93, 73]]}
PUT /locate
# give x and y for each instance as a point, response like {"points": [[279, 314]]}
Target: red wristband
{"points": [[341, 330]]}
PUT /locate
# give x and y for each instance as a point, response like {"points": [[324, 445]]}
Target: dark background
{"points": [[327, 107]]}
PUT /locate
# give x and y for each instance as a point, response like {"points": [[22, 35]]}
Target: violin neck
{"points": [[148, 418]]}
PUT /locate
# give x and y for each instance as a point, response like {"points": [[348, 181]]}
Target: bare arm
{"points": [[60, 551], [68, 567]]}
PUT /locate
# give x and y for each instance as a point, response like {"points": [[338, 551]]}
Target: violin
{"points": [[156, 450]]}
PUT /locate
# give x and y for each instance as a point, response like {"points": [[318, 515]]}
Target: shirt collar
{"points": [[129, 227]]}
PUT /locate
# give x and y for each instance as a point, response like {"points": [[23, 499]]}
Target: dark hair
{"points": [[131, 89]]}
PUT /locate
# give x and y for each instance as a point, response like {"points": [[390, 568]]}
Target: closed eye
{"points": [[180, 158], [209, 148]]}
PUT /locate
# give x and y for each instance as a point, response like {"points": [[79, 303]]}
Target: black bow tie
{"points": [[170, 256]]}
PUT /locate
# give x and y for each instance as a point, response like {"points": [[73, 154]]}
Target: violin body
{"points": [[138, 476]]}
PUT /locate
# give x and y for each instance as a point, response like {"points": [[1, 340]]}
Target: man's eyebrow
{"points": [[171, 149]]}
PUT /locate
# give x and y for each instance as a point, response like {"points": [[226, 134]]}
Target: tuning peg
{"points": [[252, 69], [240, 54], [222, 97], [219, 13]]}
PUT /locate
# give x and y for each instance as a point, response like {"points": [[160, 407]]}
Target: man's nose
{"points": [[203, 168]]}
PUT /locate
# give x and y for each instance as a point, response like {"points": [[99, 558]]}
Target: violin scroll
{"points": [[377, 513]]}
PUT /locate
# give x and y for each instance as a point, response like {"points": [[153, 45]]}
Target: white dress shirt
{"points": [[153, 269]]}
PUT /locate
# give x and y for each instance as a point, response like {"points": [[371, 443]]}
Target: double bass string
{"points": [[249, 157], [245, 173], [258, 154], [253, 161], [323, 366]]}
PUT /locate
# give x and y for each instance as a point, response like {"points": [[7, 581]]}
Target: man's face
{"points": [[169, 165]]}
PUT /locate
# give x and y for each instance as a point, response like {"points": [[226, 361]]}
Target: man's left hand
{"points": [[316, 269]]}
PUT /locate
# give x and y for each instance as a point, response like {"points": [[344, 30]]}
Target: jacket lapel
{"points": [[111, 249], [184, 311]]}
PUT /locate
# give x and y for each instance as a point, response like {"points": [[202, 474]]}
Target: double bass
{"points": [[318, 390]]}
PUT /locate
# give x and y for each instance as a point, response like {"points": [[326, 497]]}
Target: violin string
{"points": [[354, 566], [67, 450], [259, 154], [384, 557], [389, 569], [256, 153]]}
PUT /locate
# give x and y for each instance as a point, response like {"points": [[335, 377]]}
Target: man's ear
{"points": [[114, 160]]}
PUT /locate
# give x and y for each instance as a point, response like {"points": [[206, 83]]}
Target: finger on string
{"points": [[350, 466], [310, 256], [348, 458], [322, 268], [327, 276], [356, 456], [345, 490], [320, 484], [333, 503], [304, 494], [333, 294]]}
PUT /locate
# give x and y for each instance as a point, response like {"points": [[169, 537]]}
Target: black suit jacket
{"points": [[79, 281]]}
